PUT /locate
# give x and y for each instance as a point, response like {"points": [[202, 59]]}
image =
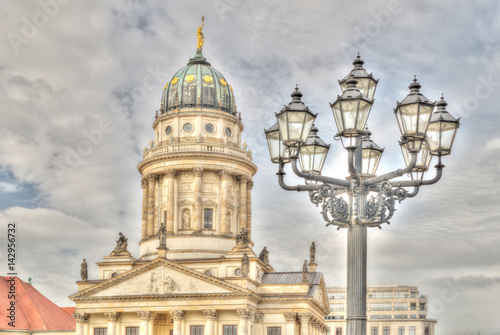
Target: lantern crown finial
{"points": [[441, 104], [358, 62], [415, 86], [296, 95]]}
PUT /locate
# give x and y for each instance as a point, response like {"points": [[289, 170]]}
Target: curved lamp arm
{"points": [[415, 183], [315, 177], [394, 174], [413, 193], [352, 169], [297, 188]]}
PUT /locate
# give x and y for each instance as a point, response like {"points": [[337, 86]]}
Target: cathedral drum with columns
{"points": [[197, 273]]}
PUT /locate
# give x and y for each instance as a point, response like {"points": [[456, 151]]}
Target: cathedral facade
{"points": [[197, 273]]}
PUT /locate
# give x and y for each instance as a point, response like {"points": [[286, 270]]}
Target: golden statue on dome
{"points": [[199, 34]]}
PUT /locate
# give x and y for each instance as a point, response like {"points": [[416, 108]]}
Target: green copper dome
{"points": [[198, 85]]}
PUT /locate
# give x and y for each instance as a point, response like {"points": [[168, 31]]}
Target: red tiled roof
{"points": [[69, 310], [34, 312]]}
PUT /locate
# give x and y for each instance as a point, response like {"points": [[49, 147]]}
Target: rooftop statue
{"points": [[199, 34]]}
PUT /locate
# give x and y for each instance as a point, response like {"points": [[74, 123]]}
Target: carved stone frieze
{"points": [[171, 173], [198, 171], [259, 317]]}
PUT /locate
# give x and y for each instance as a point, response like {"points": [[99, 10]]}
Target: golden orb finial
{"points": [[199, 34]]}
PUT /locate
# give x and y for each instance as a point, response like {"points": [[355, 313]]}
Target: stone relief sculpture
{"points": [[83, 270], [186, 219], [264, 256], [169, 285], [152, 283], [312, 252]]}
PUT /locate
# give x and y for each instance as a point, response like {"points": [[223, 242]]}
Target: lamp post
{"points": [[363, 199]]}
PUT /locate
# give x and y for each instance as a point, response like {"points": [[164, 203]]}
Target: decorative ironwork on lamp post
{"points": [[363, 199]]}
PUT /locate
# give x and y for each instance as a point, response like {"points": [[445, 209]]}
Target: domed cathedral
{"points": [[197, 178], [197, 273]]}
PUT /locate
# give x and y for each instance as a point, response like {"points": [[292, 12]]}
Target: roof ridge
{"points": [[32, 304]]}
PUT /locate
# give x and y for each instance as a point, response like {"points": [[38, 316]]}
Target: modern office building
{"points": [[391, 310]]}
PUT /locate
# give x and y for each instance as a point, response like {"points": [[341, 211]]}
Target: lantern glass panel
{"points": [[273, 141], [337, 115], [312, 158], [294, 126], [441, 136], [349, 113], [408, 119], [370, 160], [423, 157], [424, 116]]}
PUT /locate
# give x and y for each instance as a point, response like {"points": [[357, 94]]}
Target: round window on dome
{"points": [[187, 127], [168, 130], [190, 78], [228, 131], [223, 82], [238, 272], [209, 128], [208, 78], [209, 273], [175, 80]]}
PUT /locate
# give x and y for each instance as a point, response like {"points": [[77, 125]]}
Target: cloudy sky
{"points": [[80, 82]]}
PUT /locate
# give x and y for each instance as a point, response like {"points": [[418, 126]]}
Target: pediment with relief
{"points": [[320, 295], [160, 277]]}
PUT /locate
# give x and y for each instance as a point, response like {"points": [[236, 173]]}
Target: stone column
{"points": [[176, 205], [243, 201], [224, 229], [171, 174], [198, 215], [244, 315], [81, 319], [144, 231], [291, 319], [249, 209], [211, 315], [112, 318], [304, 323], [145, 317], [177, 315], [151, 204]]}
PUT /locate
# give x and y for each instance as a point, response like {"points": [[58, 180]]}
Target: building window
{"points": [[338, 331], [273, 330], [422, 316], [422, 306], [132, 331], [100, 331], [426, 331], [338, 296], [374, 331], [380, 295], [400, 316], [401, 295], [381, 307], [400, 306], [337, 307], [413, 331], [413, 316], [380, 316], [208, 218], [327, 332], [413, 306], [229, 330], [401, 330], [197, 330], [413, 294], [387, 331]]}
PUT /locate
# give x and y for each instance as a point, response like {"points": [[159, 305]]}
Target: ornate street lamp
{"points": [[277, 150], [370, 155], [363, 199], [366, 83], [295, 121], [350, 112], [413, 115], [442, 130], [313, 153]]}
